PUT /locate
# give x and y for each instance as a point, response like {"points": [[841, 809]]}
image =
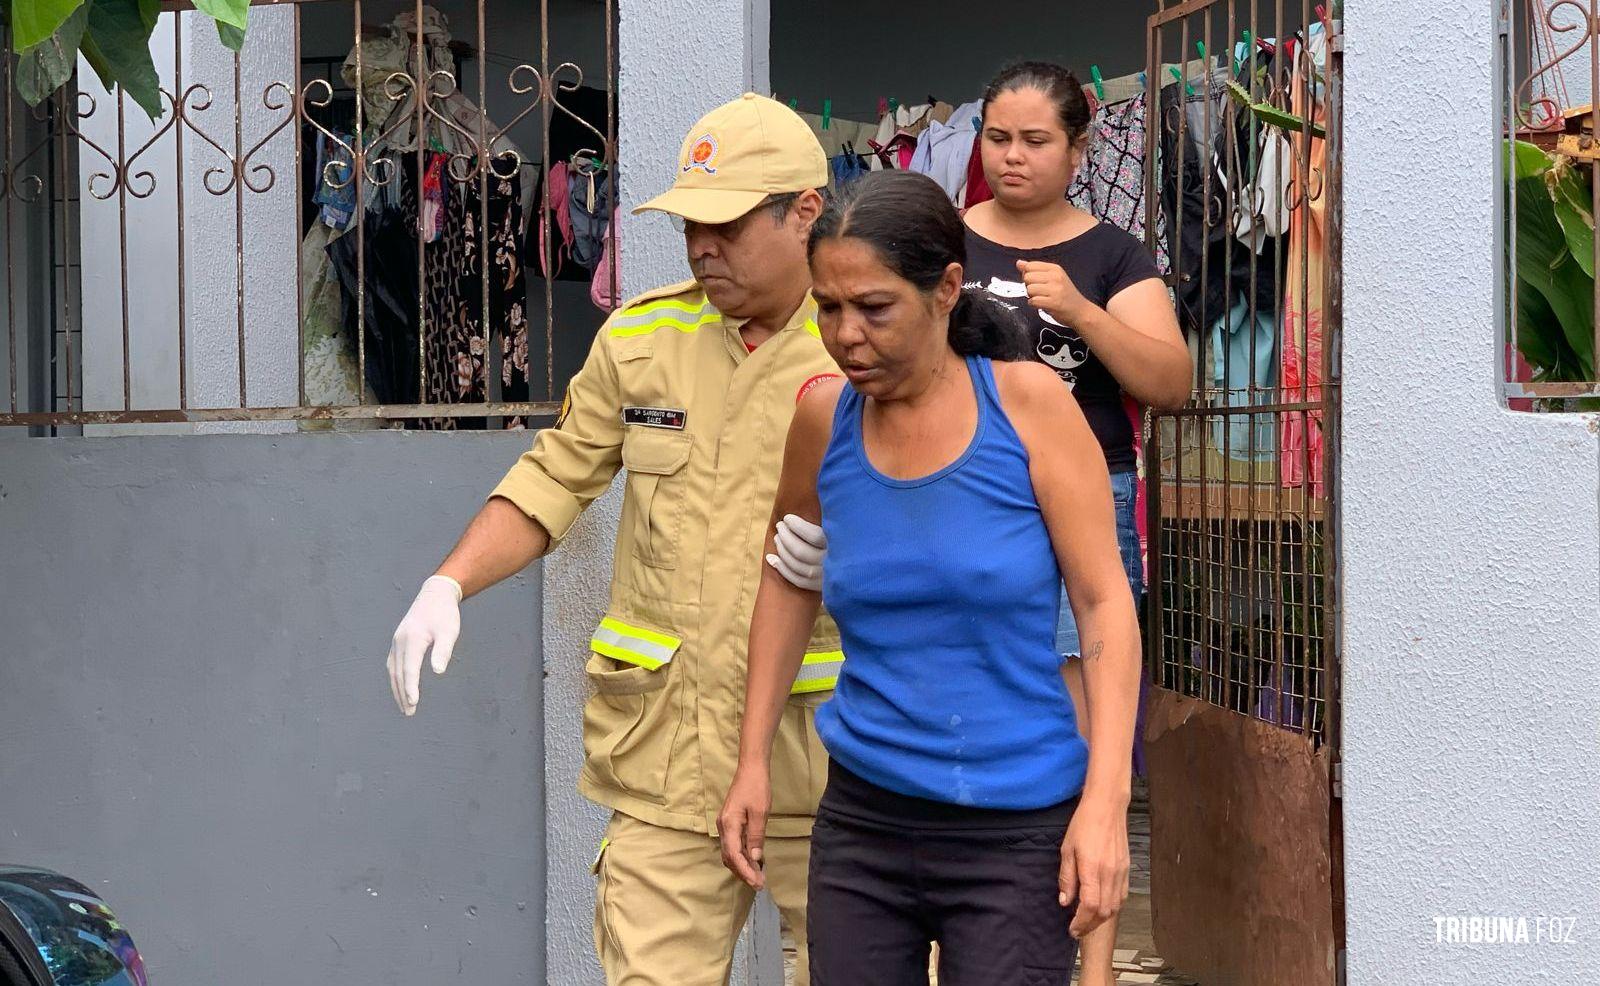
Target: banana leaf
{"points": [[1528, 160], [1573, 197], [1546, 264], [1539, 337]]}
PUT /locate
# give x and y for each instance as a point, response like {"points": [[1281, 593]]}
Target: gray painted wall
{"points": [[196, 720], [1471, 544], [854, 51]]}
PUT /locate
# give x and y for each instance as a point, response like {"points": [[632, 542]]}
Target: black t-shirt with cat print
{"points": [[1101, 262]]}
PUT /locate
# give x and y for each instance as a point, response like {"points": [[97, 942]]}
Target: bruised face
{"points": [[1027, 158], [880, 328]]}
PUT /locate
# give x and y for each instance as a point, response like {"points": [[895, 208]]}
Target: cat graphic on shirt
{"points": [[1062, 351]]}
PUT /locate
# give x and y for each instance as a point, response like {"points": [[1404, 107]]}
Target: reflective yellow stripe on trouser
{"points": [[819, 672], [633, 645]]}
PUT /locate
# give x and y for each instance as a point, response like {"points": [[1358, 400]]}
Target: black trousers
{"points": [[890, 874]]}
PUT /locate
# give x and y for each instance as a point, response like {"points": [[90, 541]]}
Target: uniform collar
{"points": [[804, 316]]}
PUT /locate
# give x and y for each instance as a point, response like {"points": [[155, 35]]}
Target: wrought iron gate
{"points": [[1242, 485]]}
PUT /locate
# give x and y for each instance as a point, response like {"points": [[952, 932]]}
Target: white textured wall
{"points": [[673, 69], [270, 242], [1471, 544]]}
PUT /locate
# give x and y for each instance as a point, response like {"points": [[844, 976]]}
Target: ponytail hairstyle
{"points": [[909, 222], [1059, 86]]}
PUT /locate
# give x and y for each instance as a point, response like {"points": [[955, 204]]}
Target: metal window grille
{"points": [[1549, 67], [88, 182]]}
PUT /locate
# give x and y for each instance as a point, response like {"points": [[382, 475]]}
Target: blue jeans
{"points": [[1124, 495]]}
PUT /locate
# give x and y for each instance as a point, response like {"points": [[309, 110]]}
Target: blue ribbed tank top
{"points": [[946, 590]]}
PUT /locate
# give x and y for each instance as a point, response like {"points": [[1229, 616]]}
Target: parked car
{"points": [[54, 931]]}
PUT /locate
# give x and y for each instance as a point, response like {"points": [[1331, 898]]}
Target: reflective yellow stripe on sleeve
{"points": [[633, 645], [685, 316], [819, 672]]}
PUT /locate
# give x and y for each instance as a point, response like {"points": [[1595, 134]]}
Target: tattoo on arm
{"points": [[1094, 650]]}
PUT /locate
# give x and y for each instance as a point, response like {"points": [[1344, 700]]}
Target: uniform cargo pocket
{"points": [[799, 763], [627, 740], [653, 513]]}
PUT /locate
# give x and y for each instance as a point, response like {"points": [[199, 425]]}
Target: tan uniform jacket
{"points": [[671, 394]]}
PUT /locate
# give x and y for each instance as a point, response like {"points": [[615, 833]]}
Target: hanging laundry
{"points": [[944, 150], [433, 199], [977, 185], [590, 200], [1196, 174], [338, 203], [1305, 298], [845, 168], [606, 287], [1244, 368], [1110, 184]]}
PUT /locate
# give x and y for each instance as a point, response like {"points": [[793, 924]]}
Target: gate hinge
{"points": [[1338, 780]]}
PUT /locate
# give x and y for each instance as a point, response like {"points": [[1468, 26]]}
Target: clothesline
{"points": [[1117, 90]]}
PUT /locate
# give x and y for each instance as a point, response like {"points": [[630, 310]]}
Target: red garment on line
{"points": [[977, 185]]}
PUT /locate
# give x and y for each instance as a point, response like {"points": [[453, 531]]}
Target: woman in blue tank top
{"points": [[956, 483]]}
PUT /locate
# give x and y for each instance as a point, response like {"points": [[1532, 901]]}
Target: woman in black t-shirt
{"points": [[1094, 302]]}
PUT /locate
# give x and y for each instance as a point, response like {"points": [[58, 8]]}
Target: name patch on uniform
{"points": [[654, 417]]}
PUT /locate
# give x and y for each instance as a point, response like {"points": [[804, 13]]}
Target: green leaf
{"points": [[42, 69], [1529, 160], [33, 21], [1545, 263], [231, 36], [97, 61], [120, 31], [1540, 339], [225, 11], [1574, 203]]}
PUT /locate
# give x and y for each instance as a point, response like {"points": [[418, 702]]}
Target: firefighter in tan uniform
{"points": [[689, 389]]}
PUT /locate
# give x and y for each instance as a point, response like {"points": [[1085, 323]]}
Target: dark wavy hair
{"points": [[909, 221], [1057, 83]]}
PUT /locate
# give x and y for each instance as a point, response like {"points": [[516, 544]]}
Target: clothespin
{"points": [[977, 124], [894, 104], [794, 104], [827, 114], [1144, 80], [1099, 83], [1176, 74], [1200, 46]]}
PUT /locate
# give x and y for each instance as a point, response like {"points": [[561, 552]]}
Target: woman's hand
{"points": [[1094, 863], [742, 825], [1051, 291]]}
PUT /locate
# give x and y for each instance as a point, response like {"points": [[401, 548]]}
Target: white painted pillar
{"points": [[673, 69], [1471, 542]]}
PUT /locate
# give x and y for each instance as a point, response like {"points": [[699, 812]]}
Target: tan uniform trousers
{"points": [[667, 912]]}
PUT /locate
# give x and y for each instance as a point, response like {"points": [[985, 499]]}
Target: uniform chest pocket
{"points": [[653, 511]]}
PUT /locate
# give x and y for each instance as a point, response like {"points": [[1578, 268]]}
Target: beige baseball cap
{"points": [[736, 156]]}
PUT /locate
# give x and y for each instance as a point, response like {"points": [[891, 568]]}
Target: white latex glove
{"points": [[434, 620], [802, 548]]}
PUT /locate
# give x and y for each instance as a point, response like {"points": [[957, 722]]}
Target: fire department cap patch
{"points": [[702, 155]]}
